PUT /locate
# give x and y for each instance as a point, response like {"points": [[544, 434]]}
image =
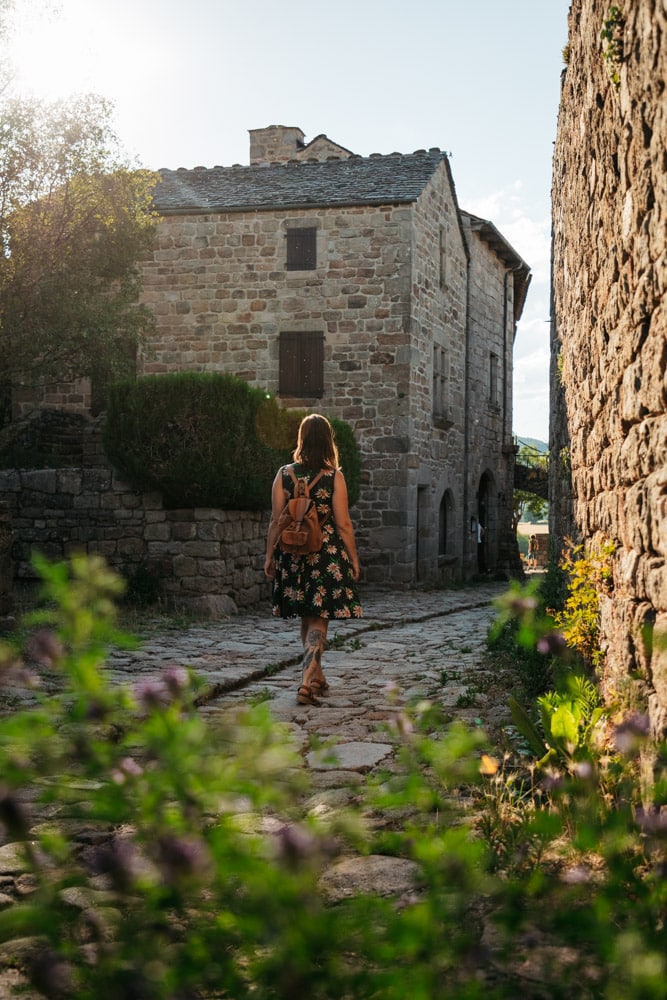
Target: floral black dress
{"points": [[320, 584]]}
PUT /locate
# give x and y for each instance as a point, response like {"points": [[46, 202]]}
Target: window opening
{"points": [[301, 363], [445, 523], [301, 249], [444, 258], [440, 381], [493, 379]]}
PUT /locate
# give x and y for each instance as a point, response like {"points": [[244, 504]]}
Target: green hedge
{"points": [[350, 458], [207, 440]]}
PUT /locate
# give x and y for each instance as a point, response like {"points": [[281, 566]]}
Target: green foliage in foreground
{"points": [[204, 878], [208, 440]]}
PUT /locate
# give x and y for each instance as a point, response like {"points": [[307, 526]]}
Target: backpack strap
{"points": [[310, 484], [309, 487], [315, 480], [291, 472]]}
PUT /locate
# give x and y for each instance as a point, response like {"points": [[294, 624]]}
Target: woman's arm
{"points": [[344, 527], [277, 505]]}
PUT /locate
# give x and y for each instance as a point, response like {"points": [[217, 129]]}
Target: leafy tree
{"points": [[74, 221], [6, 8], [524, 502]]}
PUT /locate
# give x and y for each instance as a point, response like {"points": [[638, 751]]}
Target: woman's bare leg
{"points": [[314, 637]]}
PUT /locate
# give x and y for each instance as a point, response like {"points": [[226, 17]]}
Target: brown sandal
{"points": [[319, 686], [306, 696]]}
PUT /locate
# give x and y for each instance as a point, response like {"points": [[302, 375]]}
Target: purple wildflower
{"points": [[296, 845], [119, 859], [181, 857], [551, 644], [583, 769], [15, 672], [127, 768], [578, 875], [13, 816], [51, 974], [176, 680], [652, 821], [44, 647], [521, 605], [158, 692], [152, 694], [632, 733], [552, 781]]}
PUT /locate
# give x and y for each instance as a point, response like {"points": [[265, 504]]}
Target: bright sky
{"points": [[478, 78]]}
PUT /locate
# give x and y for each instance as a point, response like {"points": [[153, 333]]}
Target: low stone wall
{"points": [[214, 559], [206, 561], [6, 568]]}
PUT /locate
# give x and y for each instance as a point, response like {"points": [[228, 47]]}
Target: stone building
{"points": [[355, 286], [609, 335]]}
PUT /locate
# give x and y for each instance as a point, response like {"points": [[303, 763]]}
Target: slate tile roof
{"points": [[372, 180]]}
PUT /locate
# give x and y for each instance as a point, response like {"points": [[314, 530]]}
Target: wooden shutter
{"points": [[312, 357], [301, 249], [301, 364], [288, 377]]}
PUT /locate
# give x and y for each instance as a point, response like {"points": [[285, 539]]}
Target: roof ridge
{"points": [[382, 178], [304, 161]]}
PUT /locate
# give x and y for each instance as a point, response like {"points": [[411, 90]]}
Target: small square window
{"points": [[440, 382], [444, 258], [494, 367], [301, 364], [301, 249]]}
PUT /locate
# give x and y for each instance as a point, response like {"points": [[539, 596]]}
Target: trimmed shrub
{"points": [[191, 436], [279, 428], [208, 440], [350, 459]]}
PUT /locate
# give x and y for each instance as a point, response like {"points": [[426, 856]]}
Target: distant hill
{"points": [[535, 443]]}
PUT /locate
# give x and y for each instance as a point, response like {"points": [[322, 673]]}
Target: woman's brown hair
{"points": [[316, 446]]}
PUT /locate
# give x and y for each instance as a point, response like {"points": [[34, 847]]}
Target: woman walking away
{"points": [[320, 585], [532, 552]]}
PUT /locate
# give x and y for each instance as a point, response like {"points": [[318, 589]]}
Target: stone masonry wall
{"points": [[610, 330], [438, 317], [222, 295], [208, 562], [6, 564], [275, 144], [280, 144], [382, 294], [489, 400], [72, 396]]}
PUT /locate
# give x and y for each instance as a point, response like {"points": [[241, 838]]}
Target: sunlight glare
{"points": [[68, 51]]}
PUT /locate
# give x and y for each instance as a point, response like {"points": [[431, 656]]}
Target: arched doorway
{"points": [[446, 524]]}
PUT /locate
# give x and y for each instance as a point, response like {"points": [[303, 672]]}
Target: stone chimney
{"points": [[275, 144]]}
